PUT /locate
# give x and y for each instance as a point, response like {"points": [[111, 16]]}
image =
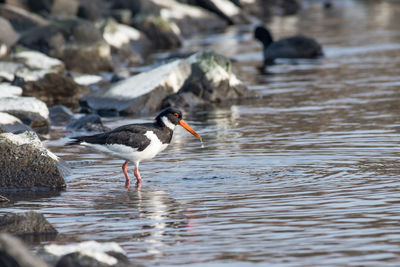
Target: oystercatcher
{"points": [[137, 142], [291, 47]]}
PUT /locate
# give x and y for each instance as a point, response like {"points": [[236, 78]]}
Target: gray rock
{"points": [[89, 253], [211, 81], [38, 61], [91, 123], [91, 9], [27, 164], [8, 36], [60, 115], [11, 124], [29, 66], [27, 223], [65, 8], [20, 19], [56, 89], [141, 93], [124, 37], [29, 110], [7, 90], [206, 76], [191, 19], [137, 6], [78, 43], [163, 34], [13, 253]]}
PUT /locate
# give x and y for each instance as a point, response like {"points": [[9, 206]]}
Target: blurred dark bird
{"points": [[291, 47], [137, 142]]}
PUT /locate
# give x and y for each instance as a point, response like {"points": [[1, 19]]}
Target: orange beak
{"points": [[190, 130]]}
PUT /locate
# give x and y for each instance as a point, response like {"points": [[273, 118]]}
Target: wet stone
{"points": [[60, 115], [89, 253], [91, 123], [27, 164], [28, 223]]}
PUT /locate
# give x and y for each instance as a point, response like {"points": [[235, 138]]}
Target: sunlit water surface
{"points": [[307, 175]]}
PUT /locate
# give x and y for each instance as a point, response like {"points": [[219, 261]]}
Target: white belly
{"points": [[129, 153]]}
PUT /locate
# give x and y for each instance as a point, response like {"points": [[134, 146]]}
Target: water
{"points": [[306, 176]]}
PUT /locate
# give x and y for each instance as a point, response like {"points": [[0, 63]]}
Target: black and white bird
{"points": [[291, 47], [137, 142]]}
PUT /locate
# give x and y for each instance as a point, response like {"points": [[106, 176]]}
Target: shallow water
{"points": [[307, 175]]}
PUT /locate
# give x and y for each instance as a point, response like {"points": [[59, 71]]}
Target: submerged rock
{"points": [[29, 110], [28, 223], [27, 164], [91, 123], [89, 253], [201, 78], [14, 253]]}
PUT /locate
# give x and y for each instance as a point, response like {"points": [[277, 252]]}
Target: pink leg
{"points": [[124, 166], [137, 175]]}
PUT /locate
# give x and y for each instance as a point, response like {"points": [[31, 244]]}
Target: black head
{"points": [[263, 35], [170, 117], [172, 114]]}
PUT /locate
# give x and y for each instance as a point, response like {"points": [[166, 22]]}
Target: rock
{"points": [[190, 19], [206, 75], [218, 7], [141, 93], [39, 61], [8, 36], [91, 122], [90, 9], [29, 66], [20, 19], [211, 81], [3, 199], [11, 124], [8, 69], [89, 253], [40, 6], [65, 7], [163, 34], [55, 89], [78, 43], [60, 115], [28, 223], [124, 37], [27, 164], [123, 16], [8, 90], [29, 110], [137, 6], [13, 253]]}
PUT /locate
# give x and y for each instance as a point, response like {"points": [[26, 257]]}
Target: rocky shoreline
{"points": [[59, 58]]}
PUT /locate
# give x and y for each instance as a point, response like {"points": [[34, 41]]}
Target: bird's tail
{"points": [[73, 141]]}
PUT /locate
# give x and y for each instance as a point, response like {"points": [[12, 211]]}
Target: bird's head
{"points": [[170, 117], [263, 35]]}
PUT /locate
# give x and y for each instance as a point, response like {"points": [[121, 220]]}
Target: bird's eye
{"points": [[176, 114]]}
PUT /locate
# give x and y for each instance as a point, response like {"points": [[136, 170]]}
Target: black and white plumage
{"points": [[291, 47], [137, 142]]}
